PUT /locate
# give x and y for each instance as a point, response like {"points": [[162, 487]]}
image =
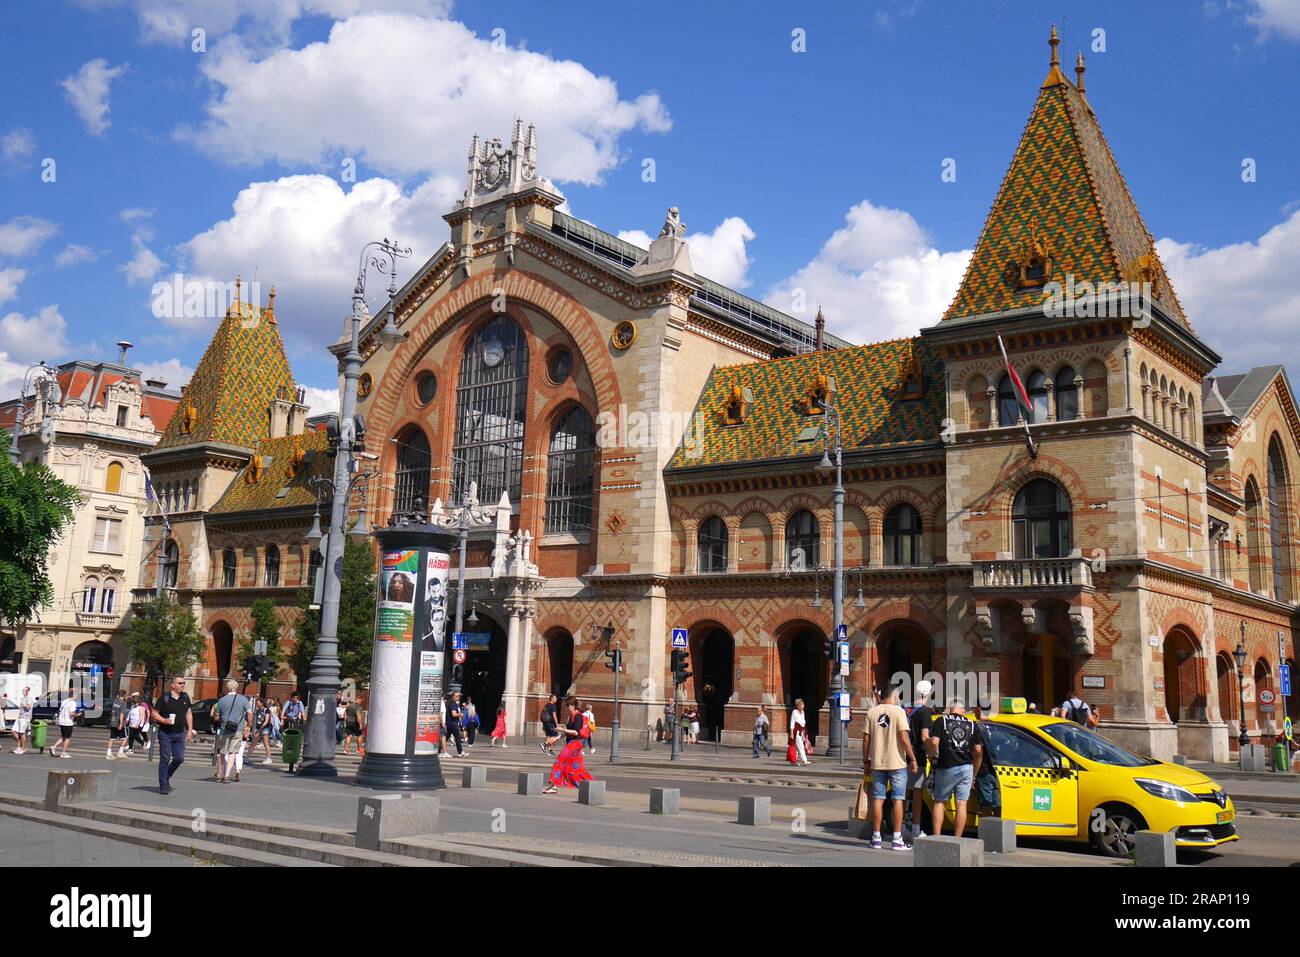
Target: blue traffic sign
{"points": [[679, 637], [1286, 680], [842, 632], [459, 641]]}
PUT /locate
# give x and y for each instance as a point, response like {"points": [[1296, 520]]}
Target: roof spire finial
{"points": [[1054, 41], [1054, 75], [1079, 69], [270, 305]]}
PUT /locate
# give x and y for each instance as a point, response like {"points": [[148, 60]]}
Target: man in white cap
{"points": [[920, 719]]}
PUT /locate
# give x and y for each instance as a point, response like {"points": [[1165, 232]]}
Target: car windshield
{"points": [[1093, 746]]}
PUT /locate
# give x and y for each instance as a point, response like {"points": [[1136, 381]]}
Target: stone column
{"points": [[1050, 386], [777, 521], [992, 394], [733, 545], [692, 531]]}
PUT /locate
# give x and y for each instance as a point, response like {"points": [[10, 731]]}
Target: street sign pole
{"points": [[613, 725]]}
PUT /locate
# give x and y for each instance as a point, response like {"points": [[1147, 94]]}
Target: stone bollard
{"points": [[998, 835], [591, 792], [1253, 758], [1180, 759], [1155, 849], [943, 851], [754, 810], [474, 776], [665, 800], [385, 817], [530, 782], [78, 787]]}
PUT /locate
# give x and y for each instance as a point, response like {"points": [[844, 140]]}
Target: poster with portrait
{"points": [[437, 568], [428, 713], [390, 671]]}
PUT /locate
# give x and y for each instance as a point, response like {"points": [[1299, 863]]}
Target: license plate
{"points": [[1224, 816]]}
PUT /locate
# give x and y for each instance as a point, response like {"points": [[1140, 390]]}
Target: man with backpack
{"points": [[1077, 710], [231, 717]]}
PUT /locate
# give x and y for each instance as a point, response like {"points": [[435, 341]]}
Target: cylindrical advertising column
{"points": [[404, 724]]}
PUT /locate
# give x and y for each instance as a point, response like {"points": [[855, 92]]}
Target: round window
{"points": [[426, 387], [560, 365], [365, 384]]}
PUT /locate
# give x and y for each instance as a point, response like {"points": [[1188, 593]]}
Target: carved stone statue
{"points": [[673, 227]]}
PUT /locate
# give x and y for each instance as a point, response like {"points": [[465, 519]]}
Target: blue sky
{"points": [[815, 170]]}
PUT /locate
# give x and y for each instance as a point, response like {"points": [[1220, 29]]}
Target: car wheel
{"points": [[1113, 830]]}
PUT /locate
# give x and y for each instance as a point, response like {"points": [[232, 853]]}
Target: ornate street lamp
{"points": [[833, 458], [1239, 653]]}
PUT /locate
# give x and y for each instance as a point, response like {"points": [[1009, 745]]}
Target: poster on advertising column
{"points": [[428, 714], [390, 678]]}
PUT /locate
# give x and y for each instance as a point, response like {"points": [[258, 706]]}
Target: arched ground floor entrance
{"points": [[902, 647], [93, 669], [805, 671], [483, 676], [713, 670], [1044, 671], [1185, 697]]}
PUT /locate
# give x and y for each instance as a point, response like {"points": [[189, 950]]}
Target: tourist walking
{"points": [[117, 726], [591, 728], [471, 722], [919, 721], [262, 729], [134, 719], [455, 716], [499, 729], [762, 726], [887, 756], [550, 719], [957, 748], [23, 725], [340, 709], [66, 720], [797, 752], [175, 729], [231, 722], [569, 768], [1075, 709], [352, 725], [295, 712], [694, 715]]}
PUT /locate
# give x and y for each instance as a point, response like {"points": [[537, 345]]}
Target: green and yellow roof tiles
{"points": [[873, 410], [278, 482], [228, 398]]}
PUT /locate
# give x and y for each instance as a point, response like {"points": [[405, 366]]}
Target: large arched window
{"points": [[411, 480], [89, 590], [1037, 389], [903, 535], [272, 575], [803, 540], [1254, 518], [570, 473], [491, 405], [1041, 521], [108, 597], [171, 564], [1008, 404], [1067, 395], [229, 566], [1278, 518], [712, 543], [113, 478]]}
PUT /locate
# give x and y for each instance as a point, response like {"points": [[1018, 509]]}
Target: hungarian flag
{"points": [[1026, 407]]}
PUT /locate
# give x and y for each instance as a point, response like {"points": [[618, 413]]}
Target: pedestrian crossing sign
{"points": [[679, 637], [841, 632]]}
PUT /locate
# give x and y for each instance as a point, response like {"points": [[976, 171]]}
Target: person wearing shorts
{"points": [[231, 720], [23, 725], [956, 749], [67, 718], [887, 756], [919, 720]]}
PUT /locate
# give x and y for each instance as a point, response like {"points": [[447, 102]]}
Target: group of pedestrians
{"points": [[461, 723]]}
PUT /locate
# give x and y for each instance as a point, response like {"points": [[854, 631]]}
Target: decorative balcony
{"points": [[101, 622], [1036, 574]]}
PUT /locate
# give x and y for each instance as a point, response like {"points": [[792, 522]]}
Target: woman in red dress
{"points": [[499, 731], [569, 768]]}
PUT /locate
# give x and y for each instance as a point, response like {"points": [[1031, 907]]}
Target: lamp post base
{"points": [[318, 769], [399, 772]]}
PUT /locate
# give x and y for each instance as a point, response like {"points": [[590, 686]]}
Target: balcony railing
{"points": [[91, 620], [1034, 573]]}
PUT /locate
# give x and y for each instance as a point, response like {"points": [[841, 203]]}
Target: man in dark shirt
{"points": [[956, 750], [919, 720], [455, 722], [175, 728]]}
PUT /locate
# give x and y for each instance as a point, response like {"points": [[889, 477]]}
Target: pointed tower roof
{"points": [[1063, 197], [227, 401]]}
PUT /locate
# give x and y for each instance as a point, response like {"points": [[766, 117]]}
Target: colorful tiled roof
{"points": [[1064, 189], [229, 398], [278, 483], [874, 413]]}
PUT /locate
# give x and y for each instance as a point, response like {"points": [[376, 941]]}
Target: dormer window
{"points": [[121, 416], [816, 395], [1034, 259], [736, 405]]}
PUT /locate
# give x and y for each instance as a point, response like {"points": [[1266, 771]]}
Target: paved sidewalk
{"points": [[23, 844]]}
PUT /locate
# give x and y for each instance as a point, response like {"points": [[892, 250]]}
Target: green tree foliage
{"points": [[164, 636], [266, 628], [356, 619], [35, 508]]}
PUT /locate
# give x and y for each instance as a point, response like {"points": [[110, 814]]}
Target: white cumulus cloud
{"points": [[17, 145], [336, 99], [1276, 16], [172, 371], [321, 401], [24, 235], [87, 91], [74, 254], [26, 340], [265, 21], [720, 255], [9, 282]]}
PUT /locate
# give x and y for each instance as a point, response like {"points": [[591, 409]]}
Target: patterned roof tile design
{"points": [[873, 414], [275, 487]]}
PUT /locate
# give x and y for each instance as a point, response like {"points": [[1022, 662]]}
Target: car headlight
{"points": [[1163, 789]]}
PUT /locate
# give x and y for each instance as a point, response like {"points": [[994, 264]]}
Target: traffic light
{"points": [[264, 667], [615, 656], [249, 666], [680, 663]]}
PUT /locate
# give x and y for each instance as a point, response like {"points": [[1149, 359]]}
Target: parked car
{"points": [[202, 712]]}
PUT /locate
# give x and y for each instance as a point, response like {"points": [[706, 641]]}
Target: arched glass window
{"points": [[108, 597], [712, 541], [1067, 395], [412, 476], [91, 589], [313, 568], [570, 473], [1037, 389], [1008, 405], [903, 536], [1041, 521], [1254, 518], [113, 478], [803, 540], [1278, 517], [171, 564], [272, 575], [229, 566], [491, 405]]}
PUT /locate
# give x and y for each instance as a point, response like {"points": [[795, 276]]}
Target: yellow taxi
{"points": [[1058, 779]]}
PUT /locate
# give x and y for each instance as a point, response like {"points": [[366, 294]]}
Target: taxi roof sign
{"points": [[1013, 706]]}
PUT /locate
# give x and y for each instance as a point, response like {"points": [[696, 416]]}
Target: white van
{"points": [[13, 685]]}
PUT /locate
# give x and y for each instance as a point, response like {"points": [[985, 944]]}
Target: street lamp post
{"points": [[1239, 653], [834, 445], [44, 375], [323, 679]]}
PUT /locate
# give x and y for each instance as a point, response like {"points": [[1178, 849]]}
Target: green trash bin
{"points": [[39, 731], [291, 747], [1281, 758]]}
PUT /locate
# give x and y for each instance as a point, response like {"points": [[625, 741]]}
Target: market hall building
{"points": [[656, 436]]}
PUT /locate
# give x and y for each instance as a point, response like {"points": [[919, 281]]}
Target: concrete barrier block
{"points": [[1155, 849], [473, 776], [386, 817], [754, 810], [78, 787], [591, 792], [665, 800], [1180, 759], [943, 851], [998, 835], [530, 782]]}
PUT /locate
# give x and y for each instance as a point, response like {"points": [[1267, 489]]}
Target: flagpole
{"points": [[1022, 399]]}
